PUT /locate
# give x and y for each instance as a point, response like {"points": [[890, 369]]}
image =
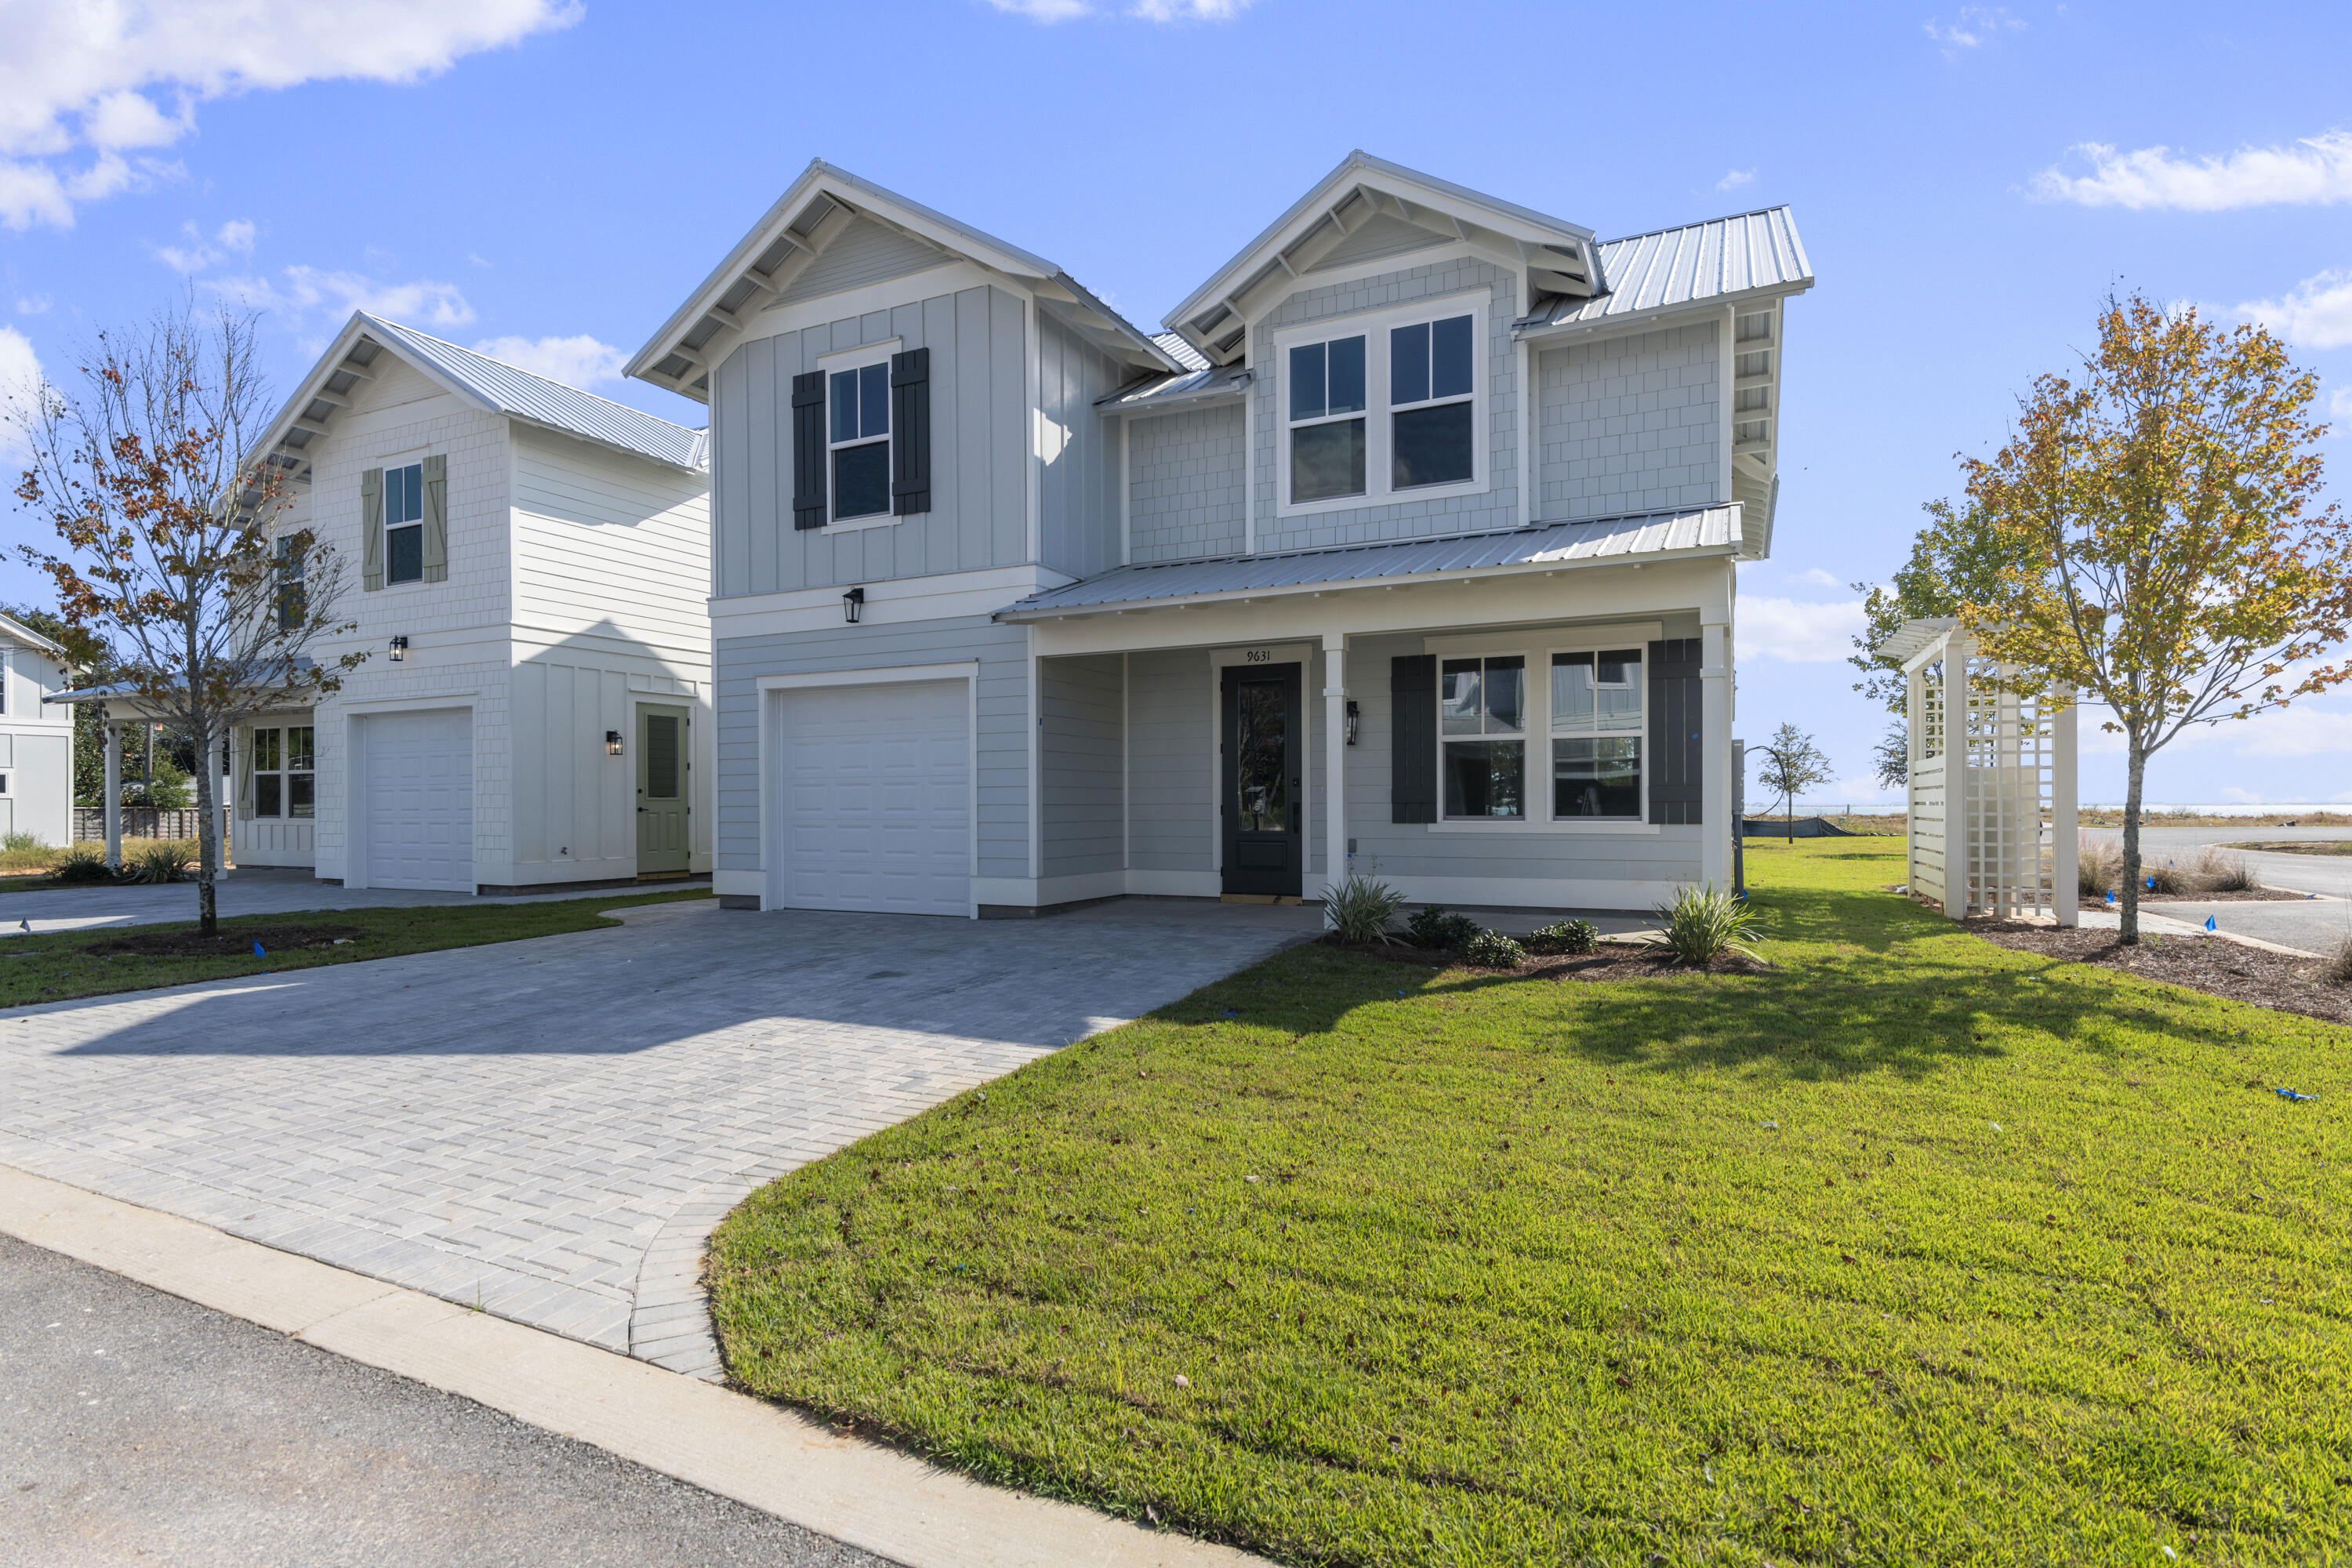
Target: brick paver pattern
{"points": [[550, 1129]]}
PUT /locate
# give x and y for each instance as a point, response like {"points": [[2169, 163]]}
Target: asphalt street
{"points": [[136, 1427], [2311, 925]]}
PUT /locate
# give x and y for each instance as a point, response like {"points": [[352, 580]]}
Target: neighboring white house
{"points": [[36, 736], [527, 565], [1016, 604]]}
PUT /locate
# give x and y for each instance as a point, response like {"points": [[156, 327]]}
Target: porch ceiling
{"points": [[1546, 547]]}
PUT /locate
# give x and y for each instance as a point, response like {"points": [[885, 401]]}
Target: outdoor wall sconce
{"points": [[853, 605], [1355, 716], [399, 649], [612, 743]]}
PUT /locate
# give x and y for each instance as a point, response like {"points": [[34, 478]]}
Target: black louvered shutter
{"points": [[910, 432], [808, 450], [1413, 738], [1677, 756]]}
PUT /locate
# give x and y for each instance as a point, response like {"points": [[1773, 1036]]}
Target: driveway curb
{"points": [[710, 1436]]}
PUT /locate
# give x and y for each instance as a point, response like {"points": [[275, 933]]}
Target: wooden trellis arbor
{"points": [[1992, 792]]}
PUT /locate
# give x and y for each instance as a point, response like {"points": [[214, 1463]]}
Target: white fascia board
{"points": [[30, 638], [1649, 317], [1231, 392], [336, 351], [1650, 587], [1421, 190]]}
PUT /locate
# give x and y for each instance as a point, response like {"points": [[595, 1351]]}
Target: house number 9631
{"points": [[1259, 656]]}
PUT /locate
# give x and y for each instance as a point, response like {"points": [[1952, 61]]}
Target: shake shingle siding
{"points": [[1630, 424], [1184, 478]]}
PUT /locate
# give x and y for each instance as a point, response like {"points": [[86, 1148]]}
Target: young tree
{"points": [[1793, 765], [1892, 755], [2157, 541], [174, 553]]}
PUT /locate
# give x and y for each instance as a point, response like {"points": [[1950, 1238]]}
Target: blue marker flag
{"points": [[257, 949], [2111, 895], [2209, 925]]}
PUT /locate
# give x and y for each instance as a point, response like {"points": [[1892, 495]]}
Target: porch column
{"points": [[2065, 833], [225, 781], [113, 793], [1334, 758], [1714, 752]]}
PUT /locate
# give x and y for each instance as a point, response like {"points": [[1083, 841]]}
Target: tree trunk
{"points": [[2130, 900], [1788, 817], [207, 836]]}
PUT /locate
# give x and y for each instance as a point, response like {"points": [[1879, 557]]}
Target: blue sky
{"points": [[551, 180]]}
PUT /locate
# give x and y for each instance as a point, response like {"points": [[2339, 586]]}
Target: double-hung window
{"points": [[1482, 736], [1431, 427], [1326, 419], [293, 607], [859, 448], [403, 524], [284, 784], [1596, 734]]}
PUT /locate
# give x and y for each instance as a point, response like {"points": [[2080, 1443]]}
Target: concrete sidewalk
{"points": [[256, 890]]}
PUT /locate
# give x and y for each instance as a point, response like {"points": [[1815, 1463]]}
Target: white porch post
{"points": [[1962, 831], [226, 778], [113, 793], [1334, 758], [2065, 868], [1714, 752]]}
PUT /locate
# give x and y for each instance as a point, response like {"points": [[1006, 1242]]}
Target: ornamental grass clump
{"points": [[1361, 909], [2337, 970], [1493, 950], [83, 862], [1704, 923], [164, 860], [1571, 937]]}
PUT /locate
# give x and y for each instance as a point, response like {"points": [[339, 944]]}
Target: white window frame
{"points": [[1640, 728], [1525, 735], [385, 523], [831, 365], [284, 772], [1374, 327]]}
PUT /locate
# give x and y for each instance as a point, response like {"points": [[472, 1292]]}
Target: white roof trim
{"points": [[25, 634]]}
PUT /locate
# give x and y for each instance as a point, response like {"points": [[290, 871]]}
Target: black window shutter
{"points": [[1677, 756], [808, 450], [910, 432], [1413, 738]]}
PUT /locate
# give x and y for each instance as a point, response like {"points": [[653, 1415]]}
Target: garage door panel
{"points": [[417, 798], [876, 798]]}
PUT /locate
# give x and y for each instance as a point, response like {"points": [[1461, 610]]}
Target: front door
{"points": [[1262, 780], [663, 847]]}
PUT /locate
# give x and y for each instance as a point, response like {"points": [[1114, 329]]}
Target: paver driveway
{"points": [[551, 1127]]}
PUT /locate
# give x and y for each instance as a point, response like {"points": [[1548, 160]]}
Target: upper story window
{"points": [[859, 445], [1596, 726], [284, 782], [403, 524], [1427, 360], [1326, 419], [1482, 736], [292, 605]]}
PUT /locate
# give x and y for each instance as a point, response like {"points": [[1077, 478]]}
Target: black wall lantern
{"points": [[399, 649], [1354, 715], [853, 605], [612, 743]]}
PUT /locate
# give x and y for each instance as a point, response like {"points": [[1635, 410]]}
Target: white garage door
{"points": [[877, 799], [420, 799]]}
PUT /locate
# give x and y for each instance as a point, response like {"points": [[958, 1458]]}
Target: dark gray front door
{"points": [[1261, 790]]}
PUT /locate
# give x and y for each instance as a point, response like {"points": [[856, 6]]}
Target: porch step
{"points": [[1257, 899]]}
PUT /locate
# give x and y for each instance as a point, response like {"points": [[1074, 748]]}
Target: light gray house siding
{"points": [[1170, 709], [1084, 817], [1078, 477], [1630, 424], [1496, 507], [1002, 743], [1185, 484], [979, 452], [862, 253]]}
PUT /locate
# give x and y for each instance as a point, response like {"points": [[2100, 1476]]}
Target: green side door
{"points": [[664, 831]]}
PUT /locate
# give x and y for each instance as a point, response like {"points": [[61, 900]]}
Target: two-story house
{"points": [[1406, 548], [36, 782], [526, 566]]}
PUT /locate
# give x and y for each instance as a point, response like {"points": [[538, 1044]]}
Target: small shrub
{"points": [[1359, 909], [1564, 936], [2217, 873], [18, 843], [2337, 970], [2098, 867], [1493, 950], [84, 862], [1703, 923], [162, 860], [1439, 927]]}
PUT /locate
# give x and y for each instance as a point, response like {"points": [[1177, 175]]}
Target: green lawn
{"points": [[50, 966], [1914, 1250]]}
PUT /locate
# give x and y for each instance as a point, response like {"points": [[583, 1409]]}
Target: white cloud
{"points": [[298, 291], [1972, 29], [236, 234], [1735, 178], [104, 80], [20, 383], [2316, 314], [581, 362], [1044, 10], [38, 305], [1816, 575], [1794, 632], [1148, 10], [200, 252], [2315, 171]]}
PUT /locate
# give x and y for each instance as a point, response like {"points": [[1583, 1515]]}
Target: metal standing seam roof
{"points": [[1191, 386], [1548, 544], [520, 395], [1683, 266]]}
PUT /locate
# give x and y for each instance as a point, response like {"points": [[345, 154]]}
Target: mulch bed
{"points": [[2210, 965], [227, 944], [1613, 961]]}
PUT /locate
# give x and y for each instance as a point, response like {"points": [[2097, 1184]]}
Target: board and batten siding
{"points": [[1629, 424], [612, 547], [1001, 744], [1185, 485], [1078, 452], [979, 420], [1170, 708], [1084, 816]]}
